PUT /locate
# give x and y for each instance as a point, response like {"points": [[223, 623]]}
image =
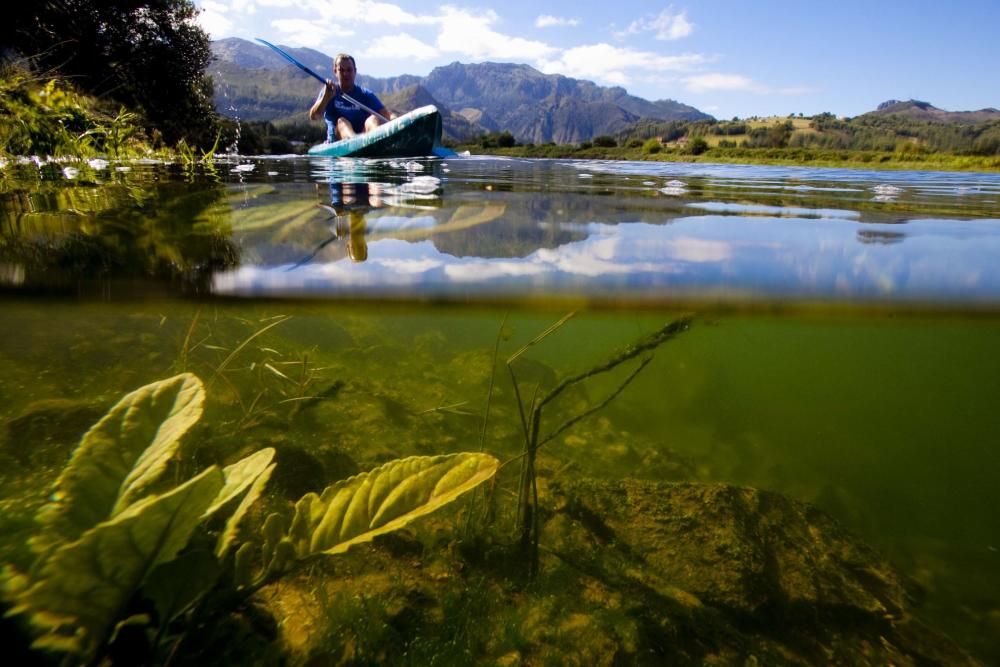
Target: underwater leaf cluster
{"points": [[86, 584], [384, 499], [117, 530], [113, 522]]}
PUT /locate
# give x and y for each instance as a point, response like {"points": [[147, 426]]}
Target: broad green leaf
{"points": [[383, 500], [175, 585], [120, 457], [181, 399], [233, 523], [239, 476], [82, 589]]}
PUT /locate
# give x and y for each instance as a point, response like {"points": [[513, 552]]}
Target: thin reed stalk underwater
{"points": [[527, 511]]}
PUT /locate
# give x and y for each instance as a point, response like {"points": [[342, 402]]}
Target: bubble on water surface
{"points": [[419, 185], [244, 167], [674, 188], [97, 163], [70, 172]]}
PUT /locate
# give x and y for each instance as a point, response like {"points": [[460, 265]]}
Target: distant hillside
{"points": [[456, 127], [254, 83], [538, 107], [925, 111], [254, 55]]}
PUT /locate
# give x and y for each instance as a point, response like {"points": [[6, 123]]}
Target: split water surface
{"points": [[842, 348]]}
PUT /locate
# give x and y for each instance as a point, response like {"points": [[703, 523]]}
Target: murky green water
{"points": [[843, 349]]}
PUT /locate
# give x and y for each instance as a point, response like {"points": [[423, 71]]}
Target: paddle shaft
{"points": [[320, 79]]}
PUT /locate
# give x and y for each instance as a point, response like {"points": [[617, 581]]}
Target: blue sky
{"points": [[724, 57]]}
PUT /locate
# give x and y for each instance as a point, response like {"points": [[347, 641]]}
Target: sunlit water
{"points": [[844, 346]]}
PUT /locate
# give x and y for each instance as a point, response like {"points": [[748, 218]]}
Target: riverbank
{"points": [[769, 156]]}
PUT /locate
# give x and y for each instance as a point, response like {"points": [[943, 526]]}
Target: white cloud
{"points": [[616, 78], [667, 25], [361, 11], [607, 63], [382, 12], [712, 82], [546, 21], [243, 6], [212, 19], [702, 83], [303, 32], [472, 35], [401, 46]]}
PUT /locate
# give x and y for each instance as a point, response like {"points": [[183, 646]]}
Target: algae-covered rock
{"points": [[632, 572], [785, 576]]}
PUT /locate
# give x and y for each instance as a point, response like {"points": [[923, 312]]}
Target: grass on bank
{"points": [[47, 116]]}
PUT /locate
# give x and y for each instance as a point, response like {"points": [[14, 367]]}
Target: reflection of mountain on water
{"points": [[880, 237], [535, 220]]}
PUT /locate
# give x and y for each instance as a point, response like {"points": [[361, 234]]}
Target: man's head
{"points": [[345, 70]]}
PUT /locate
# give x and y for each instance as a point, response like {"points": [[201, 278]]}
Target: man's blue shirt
{"points": [[355, 115]]}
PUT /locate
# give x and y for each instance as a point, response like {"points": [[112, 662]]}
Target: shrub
{"points": [[697, 146], [497, 140], [652, 146], [604, 141]]}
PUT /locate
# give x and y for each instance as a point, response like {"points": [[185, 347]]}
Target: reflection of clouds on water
{"points": [[774, 211], [395, 223], [693, 255]]}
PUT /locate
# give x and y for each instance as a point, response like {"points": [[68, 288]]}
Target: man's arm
{"points": [[324, 97]]}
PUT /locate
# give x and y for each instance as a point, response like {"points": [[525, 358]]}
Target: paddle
{"points": [[321, 79]]}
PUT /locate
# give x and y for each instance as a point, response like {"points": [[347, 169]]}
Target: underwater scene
{"points": [[498, 412]]}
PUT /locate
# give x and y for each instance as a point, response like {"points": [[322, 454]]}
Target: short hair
{"points": [[344, 56]]}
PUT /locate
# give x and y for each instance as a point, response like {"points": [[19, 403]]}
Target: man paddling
{"points": [[345, 119]]}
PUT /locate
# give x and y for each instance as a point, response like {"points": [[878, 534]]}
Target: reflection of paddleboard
{"points": [[416, 134]]}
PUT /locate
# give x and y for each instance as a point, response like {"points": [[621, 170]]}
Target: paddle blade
{"points": [[292, 60]]}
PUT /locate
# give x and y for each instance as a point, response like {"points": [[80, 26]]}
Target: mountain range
{"points": [[253, 82], [926, 111]]}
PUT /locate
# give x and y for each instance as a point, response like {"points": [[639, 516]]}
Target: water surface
{"points": [[843, 350]]}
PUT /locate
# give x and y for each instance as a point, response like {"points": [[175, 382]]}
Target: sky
{"points": [[727, 58]]}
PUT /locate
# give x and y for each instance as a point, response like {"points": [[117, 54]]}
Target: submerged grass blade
{"points": [[232, 355]]}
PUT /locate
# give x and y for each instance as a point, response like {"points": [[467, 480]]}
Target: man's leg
{"points": [[372, 122], [344, 129]]}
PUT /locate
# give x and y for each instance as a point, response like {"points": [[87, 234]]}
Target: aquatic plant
{"points": [[531, 417], [114, 518], [120, 539]]}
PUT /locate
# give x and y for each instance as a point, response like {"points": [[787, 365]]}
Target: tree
{"points": [[148, 55], [697, 145]]}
